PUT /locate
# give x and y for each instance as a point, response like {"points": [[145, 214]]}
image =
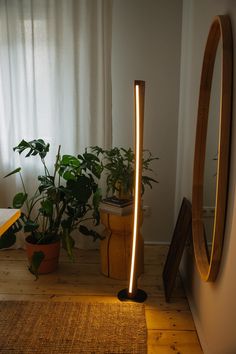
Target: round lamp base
{"points": [[139, 296]]}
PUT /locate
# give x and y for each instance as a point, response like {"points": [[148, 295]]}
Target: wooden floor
{"points": [[170, 325]]}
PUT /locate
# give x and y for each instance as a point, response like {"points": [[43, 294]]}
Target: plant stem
{"points": [[82, 220], [33, 202], [45, 167], [57, 159], [54, 176], [59, 215], [36, 218], [23, 185], [46, 223]]}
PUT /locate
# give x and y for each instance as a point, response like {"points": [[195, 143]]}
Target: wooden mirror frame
{"points": [[208, 265]]}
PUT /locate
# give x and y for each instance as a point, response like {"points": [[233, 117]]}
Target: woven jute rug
{"points": [[71, 327]]}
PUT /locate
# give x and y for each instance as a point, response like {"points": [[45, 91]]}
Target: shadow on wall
{"points": [[190, 270]]}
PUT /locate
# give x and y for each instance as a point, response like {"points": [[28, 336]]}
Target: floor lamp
{"points": [[133, 293]]}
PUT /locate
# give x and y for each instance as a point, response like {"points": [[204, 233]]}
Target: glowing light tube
{"points": [[137, 187], [132, 293]]}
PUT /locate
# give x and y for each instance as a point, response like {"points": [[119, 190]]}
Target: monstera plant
{"points": [[64, 199]]}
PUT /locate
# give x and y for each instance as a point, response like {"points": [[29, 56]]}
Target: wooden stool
{"points": [[115, 249]]}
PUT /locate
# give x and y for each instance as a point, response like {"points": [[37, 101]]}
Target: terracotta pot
{"points": [[51, 252]]}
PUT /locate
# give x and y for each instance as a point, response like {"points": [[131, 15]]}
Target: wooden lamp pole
{"points": [[133, 293]]}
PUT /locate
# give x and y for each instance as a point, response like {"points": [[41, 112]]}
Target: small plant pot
{"points": [[120, 192], [51, 255]]}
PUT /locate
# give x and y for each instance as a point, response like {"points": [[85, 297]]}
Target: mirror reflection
{"points": [[211, 157]]}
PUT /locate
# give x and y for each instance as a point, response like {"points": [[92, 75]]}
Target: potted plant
{"points": [[61, 202], [118, 164]]}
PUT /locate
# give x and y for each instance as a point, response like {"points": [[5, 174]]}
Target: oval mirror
{"points": [[211, 155], [210, 181]]}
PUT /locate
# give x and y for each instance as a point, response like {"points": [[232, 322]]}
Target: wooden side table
{"points": [[7, 218], [115, 249]]}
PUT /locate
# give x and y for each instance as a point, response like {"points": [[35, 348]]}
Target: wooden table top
{"points": [[7, 218]]}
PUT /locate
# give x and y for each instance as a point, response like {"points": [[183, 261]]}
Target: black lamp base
{"points": [[139, 296]]}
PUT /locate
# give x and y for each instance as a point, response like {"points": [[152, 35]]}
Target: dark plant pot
{"points": [[51, 252]]}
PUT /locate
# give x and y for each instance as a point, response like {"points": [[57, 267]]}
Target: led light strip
{"points": [[136, 188], [132, 293]]}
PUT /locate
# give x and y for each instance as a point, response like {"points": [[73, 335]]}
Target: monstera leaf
{"points": [[34, 147], [36, 260], [8, 239], [81, 189]]}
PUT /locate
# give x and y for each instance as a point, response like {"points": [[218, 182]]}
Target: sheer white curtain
{"points": [[55, 80]]}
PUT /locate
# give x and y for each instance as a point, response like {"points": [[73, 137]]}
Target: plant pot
{"points": [[121, 193], [51, 255]]}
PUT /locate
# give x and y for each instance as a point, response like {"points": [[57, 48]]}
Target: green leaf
{"points": [[96, 216], [69, 175], [90, 157], [46, 207], [13, 172], [147, 180], [17, 226], [7, 239], [96, 169], [89, 232], [19, 200], [97, 150], [66, 223], [21, 146], [70, 160], [81, 189], [46, 182], [37, 146], [69, 167], [97, 197], [68, 243], [84, 230], [36, 260], [30, 226]]}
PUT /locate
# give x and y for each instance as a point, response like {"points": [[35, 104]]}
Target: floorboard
{"points": [[170, 325]]}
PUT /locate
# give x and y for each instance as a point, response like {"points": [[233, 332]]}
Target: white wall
{"points": [[213, 304], [146, 40]]}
